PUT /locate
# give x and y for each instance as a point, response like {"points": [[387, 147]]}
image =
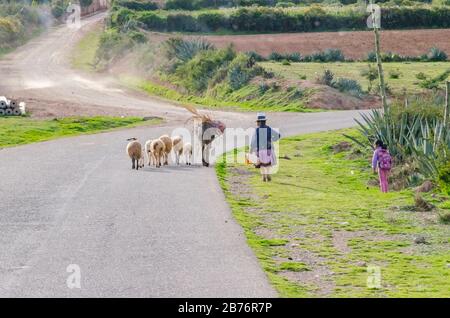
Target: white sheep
{"points": [[187, 151], [157, 151], [167, 147], [177, 143], [134, 151], [148, 151]]}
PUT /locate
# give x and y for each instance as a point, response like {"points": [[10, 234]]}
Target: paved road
{"points": [[152, 233]]}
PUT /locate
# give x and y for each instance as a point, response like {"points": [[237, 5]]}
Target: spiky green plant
{"points": [[414, 137], [185, 50]]}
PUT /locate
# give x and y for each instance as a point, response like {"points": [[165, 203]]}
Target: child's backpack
{"points": [[384, 159]]}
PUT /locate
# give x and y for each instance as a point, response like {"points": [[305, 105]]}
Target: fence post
{"points": [[379, 60], [447, 103]]}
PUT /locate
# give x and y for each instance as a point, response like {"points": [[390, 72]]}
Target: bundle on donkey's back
{"points": [[210, 130]]}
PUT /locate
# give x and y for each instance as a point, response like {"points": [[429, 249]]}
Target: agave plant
{"points": [[408, 136], [185, 50]]}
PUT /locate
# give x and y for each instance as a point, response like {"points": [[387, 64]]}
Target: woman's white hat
{"points": [[261, 117]]}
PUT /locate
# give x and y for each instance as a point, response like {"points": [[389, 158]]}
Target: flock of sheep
{"points": [[158, 151]]}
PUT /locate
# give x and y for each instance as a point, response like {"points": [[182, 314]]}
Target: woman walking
{"points": [[382, 161], [262, 146]]}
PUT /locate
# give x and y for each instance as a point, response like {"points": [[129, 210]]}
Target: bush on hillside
{"points": [[327, 78], [196, 73], [18, 22], [185, 50], [349, 86], [241, 70], [112, 45]]}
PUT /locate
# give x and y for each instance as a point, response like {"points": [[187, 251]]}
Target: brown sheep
{"points": [[157, 152], [168, 147], [134, 151]]}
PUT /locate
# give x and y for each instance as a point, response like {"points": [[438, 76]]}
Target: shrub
{"points": [[285, 62], [433, 55], [112, 44], [333, 55], [394, 74], [444, 217], [58, 8], [152, 21], [421, 76], [436, 55], [255, 56], [433, 83], [327, 78], [329, 55], [275, 56], [295, 93], [181, 21], [122, 17], [444, 178], [138, 5], [294, 57], [195, 74], [10, 29], [371, 74], [180, 5], [349, 86], [211, 21], [185, 50], [262, 88], [137, 36], [18, 21], [241, 70], [372, 57]]}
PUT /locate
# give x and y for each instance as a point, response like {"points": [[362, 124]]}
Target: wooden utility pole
{"points": [[379, 61], [447, 103]]}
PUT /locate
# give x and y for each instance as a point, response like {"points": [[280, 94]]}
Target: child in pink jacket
{"points": [[382, 161]]}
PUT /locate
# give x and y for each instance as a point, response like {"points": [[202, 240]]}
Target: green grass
{"points": [[317, 196], [407, 79], [22, 130], [83, 55]]}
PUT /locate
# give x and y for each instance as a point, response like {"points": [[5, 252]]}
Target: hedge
{"points": [[137, 5], [278, 20]]}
